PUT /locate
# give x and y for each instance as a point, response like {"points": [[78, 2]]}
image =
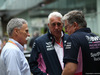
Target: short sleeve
{"points": [[71, 50]]}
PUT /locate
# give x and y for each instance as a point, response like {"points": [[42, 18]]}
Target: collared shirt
{"points": [[90, 48], [59, 50], [45, 45], [2, 67], [14, 59]]}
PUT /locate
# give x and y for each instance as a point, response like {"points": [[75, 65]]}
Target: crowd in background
{"points": [[3, 41]]}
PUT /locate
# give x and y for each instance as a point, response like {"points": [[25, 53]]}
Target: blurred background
{"points": [[36, 13]]}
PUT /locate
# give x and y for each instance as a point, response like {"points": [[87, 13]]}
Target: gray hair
{"points": [[13, 23], [75, 16], [57, 14]]}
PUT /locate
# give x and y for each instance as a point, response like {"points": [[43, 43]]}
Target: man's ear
{"points": [[76, 26], [16, 31], [48, 24]]}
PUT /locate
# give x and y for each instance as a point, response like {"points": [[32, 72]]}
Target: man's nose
{"points": [[28, 35], [56, 26]]}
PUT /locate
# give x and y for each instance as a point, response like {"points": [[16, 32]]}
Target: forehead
{"points": [[55, 18]]}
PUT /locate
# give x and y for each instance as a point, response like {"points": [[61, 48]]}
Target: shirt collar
{"points": [[51, 37], [84, 30], [18, 44], [62, 34]]}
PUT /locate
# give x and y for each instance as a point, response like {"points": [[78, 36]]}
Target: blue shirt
{"points": [[2, 67], [14, 59]]}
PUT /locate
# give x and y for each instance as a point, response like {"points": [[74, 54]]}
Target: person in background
{"points": [[82, 38], [35, 35], [3, 42], [0, 45], [12, 53], [48, 49]]}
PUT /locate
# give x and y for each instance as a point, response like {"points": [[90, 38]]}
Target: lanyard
{"points": [[11, 42], [61, 44]]}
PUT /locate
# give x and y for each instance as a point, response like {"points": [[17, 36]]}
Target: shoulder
{"points": [[66, 35], [42, 37], [10, 46], [10, 49], [75, 35]]}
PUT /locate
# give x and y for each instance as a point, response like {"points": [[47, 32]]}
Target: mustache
{"points": [[27, 38]]}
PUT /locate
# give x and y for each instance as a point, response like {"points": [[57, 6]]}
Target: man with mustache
{"points": [[12, 53]]}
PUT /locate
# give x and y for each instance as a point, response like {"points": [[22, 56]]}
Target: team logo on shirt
{"points": [[92, 38], [33, 44], [96, 56], [94, 42], [68, 45], [49, 46], [65, 41]]}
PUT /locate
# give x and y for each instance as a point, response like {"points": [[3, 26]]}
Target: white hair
{"points": [[57, 14], [13, 23]]}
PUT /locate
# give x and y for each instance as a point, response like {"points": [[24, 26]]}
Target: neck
{"points": [[57, 39], [18, 40], [13, 38]]}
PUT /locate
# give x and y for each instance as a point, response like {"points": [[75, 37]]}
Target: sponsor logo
{"points": [[68, 45], [33, 44], [65, 41], [95, 56], [49, 46], [92, 38], [94, 42]]}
